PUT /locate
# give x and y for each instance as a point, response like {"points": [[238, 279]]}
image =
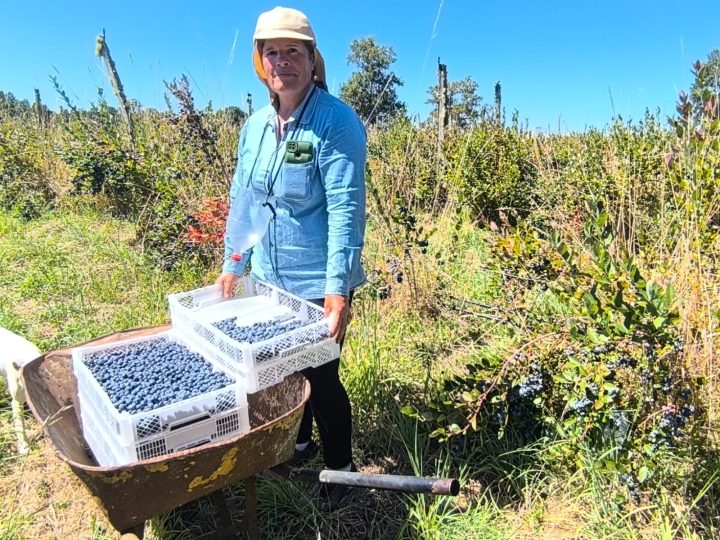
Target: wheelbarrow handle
{"points": [[391, 482]]}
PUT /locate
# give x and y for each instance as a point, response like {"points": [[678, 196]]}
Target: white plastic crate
{"points": [[260, 364], [110, 453], [125, 437]]}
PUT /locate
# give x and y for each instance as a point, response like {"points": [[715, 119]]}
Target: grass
{"points": [[70, 277], [73, 275], [11, 525]]}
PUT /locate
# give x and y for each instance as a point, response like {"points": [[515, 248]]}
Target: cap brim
{"points": [[264, 35]]}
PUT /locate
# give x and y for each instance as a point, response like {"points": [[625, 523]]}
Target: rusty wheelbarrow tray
{"points": [[134, 493]]}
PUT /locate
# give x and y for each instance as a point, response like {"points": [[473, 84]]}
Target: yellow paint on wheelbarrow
{"points": [[124, 476], [160, 467], [229, 460]]}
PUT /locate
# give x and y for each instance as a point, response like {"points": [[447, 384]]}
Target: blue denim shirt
{"points": [[313, 244]]}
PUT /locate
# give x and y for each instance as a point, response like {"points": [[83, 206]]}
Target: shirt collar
{"points": [[272, 117]]}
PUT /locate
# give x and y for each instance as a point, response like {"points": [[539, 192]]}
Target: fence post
{"points": [[101, 49], [443, 117], [249, 103], [498, 104], [39, 109]]}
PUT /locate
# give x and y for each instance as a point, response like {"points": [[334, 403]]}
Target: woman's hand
{"points": [[337, 312], [228, 282]]}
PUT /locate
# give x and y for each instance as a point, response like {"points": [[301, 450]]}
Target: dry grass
{"points": [[48, 498], [557, 518]]}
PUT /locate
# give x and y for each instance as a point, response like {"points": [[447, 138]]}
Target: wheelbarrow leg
{"points": [[251, 522], [226, 528]]}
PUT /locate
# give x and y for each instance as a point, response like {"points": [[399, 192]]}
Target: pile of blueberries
{"points": [[259, 331], [144, 376]]}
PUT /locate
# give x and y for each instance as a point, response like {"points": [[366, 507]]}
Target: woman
{"points": [[307, 151]]}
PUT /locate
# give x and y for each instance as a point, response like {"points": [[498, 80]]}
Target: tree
{"points": [[12, 106], [372, 89], [234, 115], [705, 91], [464, 105]]}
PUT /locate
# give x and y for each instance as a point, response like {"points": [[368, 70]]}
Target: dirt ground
{"points": [[42, 494]]}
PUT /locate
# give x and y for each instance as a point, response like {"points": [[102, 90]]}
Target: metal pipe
{"points": [[391, 482]]}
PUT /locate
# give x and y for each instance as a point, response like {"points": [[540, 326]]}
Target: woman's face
{"points": [[288, 66]]}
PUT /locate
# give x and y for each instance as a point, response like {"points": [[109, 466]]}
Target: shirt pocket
{"points": [[296, 183]]}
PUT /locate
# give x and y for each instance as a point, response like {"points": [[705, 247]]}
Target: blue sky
{"points": [[562, 65]]}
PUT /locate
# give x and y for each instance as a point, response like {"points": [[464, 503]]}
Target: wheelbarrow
{"points": [[134, 493]]}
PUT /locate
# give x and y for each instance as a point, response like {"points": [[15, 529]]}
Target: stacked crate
{"points": [[244, 344], [197, 316]]}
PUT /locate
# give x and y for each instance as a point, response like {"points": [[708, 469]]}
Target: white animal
{"points": [[15, 352]]}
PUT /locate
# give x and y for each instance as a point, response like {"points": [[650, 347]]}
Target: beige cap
{"points": [[282, 22]]}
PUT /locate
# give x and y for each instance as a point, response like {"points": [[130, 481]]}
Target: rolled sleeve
{"points": [[342, 166]]}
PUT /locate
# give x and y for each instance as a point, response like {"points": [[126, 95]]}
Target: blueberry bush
{"points": [[24, 183], [605, 368]]}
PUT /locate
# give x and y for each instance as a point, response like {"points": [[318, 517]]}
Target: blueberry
{"points": [[581, 405]]}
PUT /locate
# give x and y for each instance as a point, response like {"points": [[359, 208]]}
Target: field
{"points": [[540, 320]]}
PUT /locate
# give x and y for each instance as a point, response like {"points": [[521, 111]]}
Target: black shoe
{"points": [[300, 457], [331, 495]]}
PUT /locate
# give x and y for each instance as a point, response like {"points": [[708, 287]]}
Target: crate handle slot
{"points": [[193, 444], [189, 422], [292, 350]]}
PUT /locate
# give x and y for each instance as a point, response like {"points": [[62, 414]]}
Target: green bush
{"points": [[24, 183], [491, 169], [103, 161], [603, 369], [187, 164], [640, 176], [404, 161], [571, 167], [161, 176], [694, 173]]}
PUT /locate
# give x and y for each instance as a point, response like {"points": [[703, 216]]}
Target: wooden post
{"points": [[251, 520], [443, 117], [498, 104], [101, 49], [249, 104], [39, 109]]}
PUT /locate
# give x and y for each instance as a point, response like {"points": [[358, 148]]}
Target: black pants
{"points": [[330, 406]]}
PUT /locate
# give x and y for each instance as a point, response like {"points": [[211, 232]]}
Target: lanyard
{"points": [[274, 178], [269, 199], [271, 184]]}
